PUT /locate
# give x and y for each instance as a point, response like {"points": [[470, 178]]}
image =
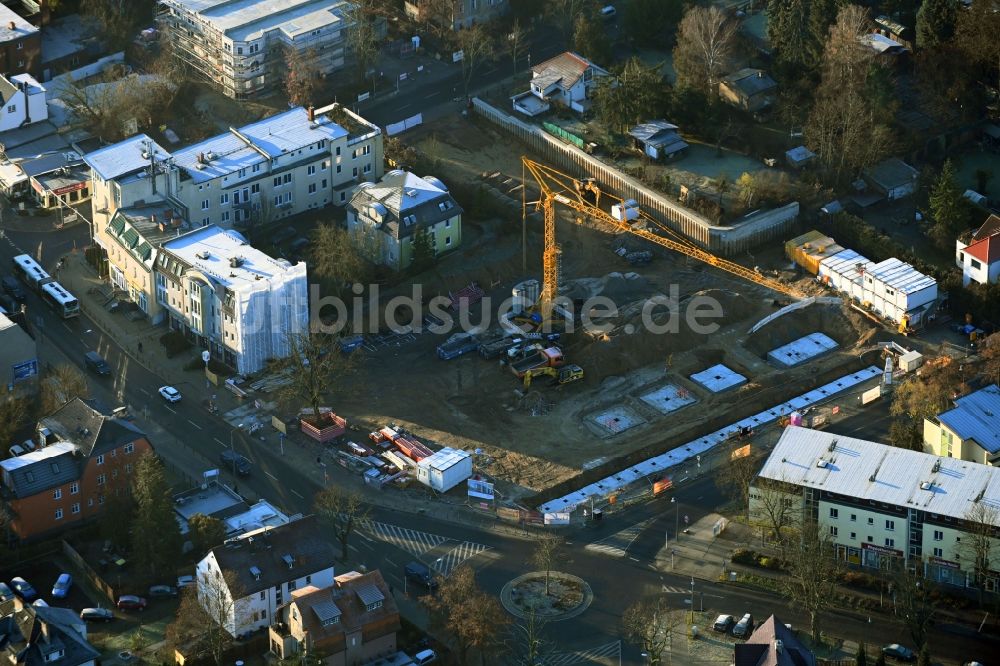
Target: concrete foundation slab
{"points": [[718, 378], [668, 398], [617, 419], [802, 350]]}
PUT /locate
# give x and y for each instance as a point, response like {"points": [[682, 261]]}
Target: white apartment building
{"points": [[241, 45], [267, 566], [229, 298], [880, 504], [125, 174]]}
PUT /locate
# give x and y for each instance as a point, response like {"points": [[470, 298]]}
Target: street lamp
{"points": [[677, 518], [232, 449]]}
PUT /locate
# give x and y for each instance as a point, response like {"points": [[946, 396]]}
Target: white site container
{"points": [[627, 210], [445, 469]]}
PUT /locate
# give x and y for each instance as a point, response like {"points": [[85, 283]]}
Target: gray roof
{"points": [[750, 81], [48, 163], [21, 27], [867, 470], [759, 649], [657, 133], [264, 549], [29, 636], [36, 472], [93, 432], [369, 594], [124, 157], [977, 416], [565, 69], [891, 173], [326, 610], [407, 202]]}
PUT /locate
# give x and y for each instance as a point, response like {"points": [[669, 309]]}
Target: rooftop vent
{"points": [[410, 193], [937, 466], [255, 572], [204, 254], [926, 485], [822, 463], [210, 156], [235, 262], [289, 560], [872, 478], [832, 447]]}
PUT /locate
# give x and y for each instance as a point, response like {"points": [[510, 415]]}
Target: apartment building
{"points": [[125, 174], [20, 44], [880, 504], [969, 431], [384, 218], [83, 457], [267, 565], [229, 298], [242, 46], [456, 15]]}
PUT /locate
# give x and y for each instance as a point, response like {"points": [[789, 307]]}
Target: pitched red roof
{"points": [[990, 227], [986, 250]]}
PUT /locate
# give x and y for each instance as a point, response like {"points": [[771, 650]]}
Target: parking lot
{"points": [[42, 574]]}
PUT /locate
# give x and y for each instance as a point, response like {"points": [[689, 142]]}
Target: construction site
{"points": [[543, 410]]}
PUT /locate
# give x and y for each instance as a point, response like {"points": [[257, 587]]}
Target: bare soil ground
{"points": [[544, 435]]}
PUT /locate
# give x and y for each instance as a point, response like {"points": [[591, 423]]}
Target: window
{"points": [[74, 488], [128, 468], [447, 241], [20, 45], [263, 614], [374, 605], [101, 479], [287, 178], [324, 164], [890, 525], [100, 460], [871, 539], [854, 535], [355, 172], [130, 447], [204, 204], [256, 168], [890, 543], [114, 474], [59, 514], [90, 502], [12, 108], [75, 508], [833, 530], [114, 453], [367, 169], [323, 183], [834, 513], [262, 595], [311, 169], [239, 50], [276, 182], [225, 216], [205, 221], [312, 188], [255, 188], [976, 265], [854, 517], [447, 224], [224, 199], [339, 168], [338, 151], [57, 494], [938, 535], [309, 580], [291, 585], [938, 552], [871, 521]]}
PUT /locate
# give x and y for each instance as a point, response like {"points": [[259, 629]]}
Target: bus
{"points": [[59, 298], [30, 272]]}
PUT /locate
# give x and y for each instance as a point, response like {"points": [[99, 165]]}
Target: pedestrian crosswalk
{"points": [[608, 653], [617, 544], [448, 555]]}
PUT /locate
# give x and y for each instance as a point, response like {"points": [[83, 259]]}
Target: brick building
{"points": [[83, 457], [20, 45]]}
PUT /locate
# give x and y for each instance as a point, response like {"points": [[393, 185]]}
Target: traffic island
{"points": [[568, 596]]}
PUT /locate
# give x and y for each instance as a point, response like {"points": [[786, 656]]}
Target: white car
{"points": [[170, 394]]}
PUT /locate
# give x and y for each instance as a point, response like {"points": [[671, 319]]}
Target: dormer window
{"points": [[372, 606]]}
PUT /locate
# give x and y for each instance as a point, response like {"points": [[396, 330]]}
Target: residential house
{"points": [[230, 298], [979, 255], [70, 42], [882, 505], [457, 14], [243, 48], [84, 457], [895, 31], [969, 431], [384, 218], [45, 636], [892, 178], [23, 102], [125, 174], [352, 622], [219, 501], [658, 139], [749, 89], [18, 357], [568, 79], [885, 47], [20, 44], [262, 568], [772, 644]]}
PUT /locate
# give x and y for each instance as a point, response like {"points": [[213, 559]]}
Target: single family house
{"points": [[979, 258], [658, 139], [568, 78], [748, 89]]}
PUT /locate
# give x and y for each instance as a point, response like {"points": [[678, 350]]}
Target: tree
{"points": [[118, 18], [736, 477], [861, 658], [989, 351], [365, 33], [205, 532], [747, 186], [976, 34], [983, 178], [924, 656], [516, 39], [981, 531], [336, 259], [635, 94], [813, 574], [649, 623], [564, 14], [590, 39], [948, 208], [880, 661], [471, 618], [914, 603], [302, 76], [116, 521], [789, 32], [647, 21], [424, 254], [341, 510], [477, 47], [156, 536], [105, 107], [929, 392], [314, 371], [208, 615], [13, 412], [936, 21], [544, 555], [906, 433], [774, 509], [60, 385], [706, 39], [525, 642]]}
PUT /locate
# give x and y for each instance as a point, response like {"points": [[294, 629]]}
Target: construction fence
{"points": [[751, 231]]}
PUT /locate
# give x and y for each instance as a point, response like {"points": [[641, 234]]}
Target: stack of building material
{"points": [[411, 448]]}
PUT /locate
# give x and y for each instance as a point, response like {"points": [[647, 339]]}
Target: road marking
{"points": [[145, 392], [294, 492], [608, 653], [271, 475], [433, 94], [66, 326], [220, 441], [169, 410], [194, 424], [388, 561], [418, 543], [634, 559], [617, 544]]}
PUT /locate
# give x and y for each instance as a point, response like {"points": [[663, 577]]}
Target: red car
{"points": [[131, 602]]}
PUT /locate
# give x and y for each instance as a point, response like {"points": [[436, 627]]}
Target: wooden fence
{"points": [[92, 576]]}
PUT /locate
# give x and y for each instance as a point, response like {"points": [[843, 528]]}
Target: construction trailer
{"points": [[809, 249], [445, 469]]}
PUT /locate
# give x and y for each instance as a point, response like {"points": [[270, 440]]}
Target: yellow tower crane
{"points": [[557, 187]]}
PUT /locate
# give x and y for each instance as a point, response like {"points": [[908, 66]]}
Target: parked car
{"points": [[724, 623], [235, 461], [96, 363], [131, 602], [418, 572], [13, 288], [744, 627], [23, 588], [185, 581], [899, 652], [97, 615], [6, 594], [61, 588], [170, 394], [40, 603], [162, 591], [424, 657]]}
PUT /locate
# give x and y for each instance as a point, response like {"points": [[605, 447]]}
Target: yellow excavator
{"points": [[563, 375], [557, 187]]}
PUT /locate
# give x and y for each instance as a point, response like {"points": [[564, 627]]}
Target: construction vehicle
{"points": [[545, 358], [563, 375], [457, 345], [494, 348], [557, 187]]}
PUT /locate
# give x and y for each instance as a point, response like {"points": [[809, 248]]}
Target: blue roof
{"points": [[265, 139], [977, 417], [123, 158]]}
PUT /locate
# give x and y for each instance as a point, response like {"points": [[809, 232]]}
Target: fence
{"points": [[92, 576], [726, 240]]}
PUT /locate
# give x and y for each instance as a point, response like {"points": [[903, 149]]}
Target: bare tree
{"points": [[981, 531], [650, 623], [60, 385], [912, 595], [477, 48], [989, 350], [313, 370], [813, 573], [706, 39], [473, 619], [565, 13], [13, 412], [736, 477], [104, 107], [365, 33], [208, 616], [775, 509], [516, 39], [334, 257], [525, 642], [302, 76], [341, 510], [545, 554]]}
